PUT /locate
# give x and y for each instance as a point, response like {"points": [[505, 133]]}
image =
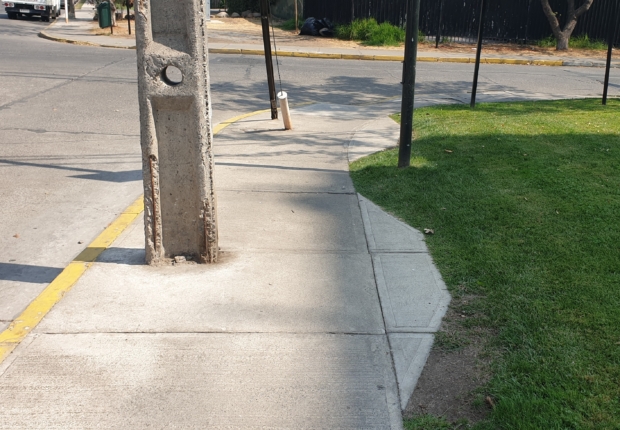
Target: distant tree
{"points": [[562, 35]]}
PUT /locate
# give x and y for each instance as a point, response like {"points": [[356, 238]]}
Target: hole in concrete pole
{"points": [[172, 75]]}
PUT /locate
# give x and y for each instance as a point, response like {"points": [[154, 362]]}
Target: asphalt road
{"points": [[69, 131]]}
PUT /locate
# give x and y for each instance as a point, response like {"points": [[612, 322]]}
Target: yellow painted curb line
{"points": [[283, 54], [222, 125], [389, 58], [224, 51], [511, 61], [319, 55], [348, 56], [548, 63], [44, 35], [454, 60], [55, 291], [252, 52]]}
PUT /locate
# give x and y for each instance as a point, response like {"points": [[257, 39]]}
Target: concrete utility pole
{"points": [[409, 69], [264, 16], [175, 129]]}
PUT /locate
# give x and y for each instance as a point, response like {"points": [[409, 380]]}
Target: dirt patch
{"points": [[249, 31], [121, 30], [513, 49], [457, 368]]}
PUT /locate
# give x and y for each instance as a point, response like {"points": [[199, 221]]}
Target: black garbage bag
{"points": [[317, 27], [326, 27]]}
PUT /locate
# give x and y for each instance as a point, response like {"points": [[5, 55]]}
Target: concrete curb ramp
{"points": [[365, 57]]}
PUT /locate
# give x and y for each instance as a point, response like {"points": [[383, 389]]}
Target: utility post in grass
{"points": [[409, 69], [474, 88], [264, 17], [180, 219], [611, 34]]}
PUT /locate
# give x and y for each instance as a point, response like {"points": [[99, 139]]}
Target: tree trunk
{"points": [[562, 36], [562, 42]]}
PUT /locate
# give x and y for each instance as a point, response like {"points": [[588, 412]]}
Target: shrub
{"points": [[584, 42], [386, 34], [371, 33], [579, 42]]}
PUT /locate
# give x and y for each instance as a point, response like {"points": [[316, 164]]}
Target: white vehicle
{"points": [[46, 9]]}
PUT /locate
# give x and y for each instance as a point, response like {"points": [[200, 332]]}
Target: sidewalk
{"points": [[79, 31], [320, 313]]}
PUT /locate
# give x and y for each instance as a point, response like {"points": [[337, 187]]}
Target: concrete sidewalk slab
{"points": [[385, 233], [244, 381], [413, 295], [375, 136], [80, 31], [303, 159], [410, 352], [300, 325], [266, 292], [299, 222], [284, 177]]}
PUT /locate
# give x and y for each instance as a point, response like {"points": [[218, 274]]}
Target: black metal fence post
{"points": [[613, 22], [110, 3], [478, 52], [128, 17], [438, 39], [409, 69]]}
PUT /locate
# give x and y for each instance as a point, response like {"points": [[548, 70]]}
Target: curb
{"points": [[43, 35], [484, 60]]}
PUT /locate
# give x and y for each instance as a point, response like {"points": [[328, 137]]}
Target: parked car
{"points": [[46, 9]]}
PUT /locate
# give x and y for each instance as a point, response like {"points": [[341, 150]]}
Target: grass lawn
{"points": [[524, 199]]}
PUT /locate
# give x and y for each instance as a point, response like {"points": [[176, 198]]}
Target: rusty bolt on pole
{"points": [[176, 136]]}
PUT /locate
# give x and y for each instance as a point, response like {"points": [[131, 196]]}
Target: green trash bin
{"points": [[105, 18]]}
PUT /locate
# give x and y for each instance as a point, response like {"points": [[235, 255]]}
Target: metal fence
{"points": [[518, 21]]}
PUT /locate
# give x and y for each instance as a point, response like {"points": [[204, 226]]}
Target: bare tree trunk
{"points": [[562, 35], [561, 42]]}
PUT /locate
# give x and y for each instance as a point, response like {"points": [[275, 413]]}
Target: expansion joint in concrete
{"points": [[210, 332], [239, 190]]}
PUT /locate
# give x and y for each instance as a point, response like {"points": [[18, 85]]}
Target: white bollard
{"points": [[286, 114]]}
